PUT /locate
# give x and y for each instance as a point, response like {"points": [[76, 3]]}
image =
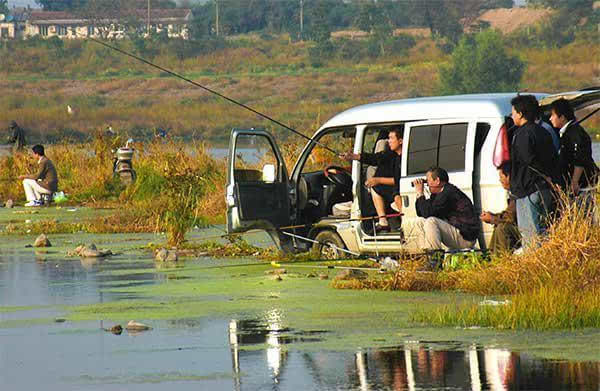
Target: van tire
{"points": [[323, 251]]}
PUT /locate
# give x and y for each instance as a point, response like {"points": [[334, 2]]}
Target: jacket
{"points": [[509, 215], [532, 156], [455, 207], [576, 150], [46, 175], [388, 163]]}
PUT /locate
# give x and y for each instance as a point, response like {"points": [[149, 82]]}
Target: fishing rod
{"points": [[226, 235], [211, 91]]}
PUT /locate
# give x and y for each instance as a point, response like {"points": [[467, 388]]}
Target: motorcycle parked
{"points": [[122, 165]]}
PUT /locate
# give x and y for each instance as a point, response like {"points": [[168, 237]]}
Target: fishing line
{"points": [[212, 92]]}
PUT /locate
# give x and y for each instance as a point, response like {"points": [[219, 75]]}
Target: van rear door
{"points": [[578, 99], [257, 193], [448, 144]]}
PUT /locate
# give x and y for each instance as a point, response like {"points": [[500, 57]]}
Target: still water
{"points": [[216, 353]]}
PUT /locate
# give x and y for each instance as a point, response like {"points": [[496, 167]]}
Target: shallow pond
{"points": [[226, 324]]}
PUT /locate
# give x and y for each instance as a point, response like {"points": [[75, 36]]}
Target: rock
{"points": [[9, 204], [277, 277], [171, 256], [323, 276], [276, 271], [351, 274], [91, 251], [136, 326], [164, 255], [116, 329], [311, 275], [42, 241]]}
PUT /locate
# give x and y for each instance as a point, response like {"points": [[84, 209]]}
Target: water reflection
{"points": [[413, 366]]}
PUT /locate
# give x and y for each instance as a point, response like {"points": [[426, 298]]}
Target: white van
{"points": [[457, 133]]}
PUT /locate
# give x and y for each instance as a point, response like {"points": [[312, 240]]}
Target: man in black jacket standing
{"points": [[534, 168], [577, 168], [448, 217], [579, 173]]}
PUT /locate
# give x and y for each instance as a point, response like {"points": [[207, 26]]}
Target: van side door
{"points": [[448, 144], [257, 193]]}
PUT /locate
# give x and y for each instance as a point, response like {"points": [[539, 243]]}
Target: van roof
{"points": [[438, 107]]}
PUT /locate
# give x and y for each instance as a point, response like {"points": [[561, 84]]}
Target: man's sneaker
{"points": [[34, 203]]}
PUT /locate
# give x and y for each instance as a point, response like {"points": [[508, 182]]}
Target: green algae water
{"points": [[228, 324]]}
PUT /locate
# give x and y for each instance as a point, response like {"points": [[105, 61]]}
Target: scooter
{"points": [[122, 165]]}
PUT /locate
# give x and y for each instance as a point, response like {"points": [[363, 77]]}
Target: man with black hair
{"points": [[533, 158], [506, 236], [385, 185], [447, 218], [45, 181], [578, 172]]}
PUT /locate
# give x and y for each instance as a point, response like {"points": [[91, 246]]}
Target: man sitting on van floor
{"points": [[506, 236], [448, 217], [45, 181], [385, 190]]}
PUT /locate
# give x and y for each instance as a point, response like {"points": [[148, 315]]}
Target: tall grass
{"points": [[554, 285], [179, 185]]}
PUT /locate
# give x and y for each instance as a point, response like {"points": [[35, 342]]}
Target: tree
{"points": [[480, 64]]}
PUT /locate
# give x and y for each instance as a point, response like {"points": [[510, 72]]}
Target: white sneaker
{"points": [[30, 203]]}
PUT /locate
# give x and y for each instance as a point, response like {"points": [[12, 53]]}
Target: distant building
{"points": [[66, 25], [13, 24]]}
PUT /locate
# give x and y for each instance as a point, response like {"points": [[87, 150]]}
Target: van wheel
{"points": [[323, 248]]}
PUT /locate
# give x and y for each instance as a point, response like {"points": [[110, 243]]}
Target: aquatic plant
{"points": [[553, 285]]}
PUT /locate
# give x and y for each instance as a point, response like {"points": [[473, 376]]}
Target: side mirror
{"points": [[268, 173]]}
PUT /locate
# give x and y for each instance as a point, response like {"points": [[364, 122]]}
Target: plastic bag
{"points": [[59, 197]]}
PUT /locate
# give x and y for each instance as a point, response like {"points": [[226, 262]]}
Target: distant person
{"points": [[506, 236], [447, 218], [385, 189], [533, 169], [45, 181], [17, 136]]}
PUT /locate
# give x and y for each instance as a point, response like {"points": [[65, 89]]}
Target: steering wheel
{"points": [[338, 176]]}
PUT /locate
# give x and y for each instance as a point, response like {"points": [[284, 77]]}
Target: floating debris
{"points": [[116, 329], [137, 326], [276, 271], [495, 302]]}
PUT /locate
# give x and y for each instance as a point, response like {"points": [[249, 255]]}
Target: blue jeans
{"points": [[532, 215]]}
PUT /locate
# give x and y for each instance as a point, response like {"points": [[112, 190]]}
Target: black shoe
{"points": [[382, 228]]}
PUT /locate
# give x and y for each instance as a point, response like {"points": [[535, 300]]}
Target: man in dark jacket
{"points": [[578, 171], [17, 136], [533, 158], [506, 236], [448, 217], [45, 181], [385, 185]]}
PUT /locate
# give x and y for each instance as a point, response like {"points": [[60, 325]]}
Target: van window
{"points": [[422, 148], [252, 153], [437, 145]]}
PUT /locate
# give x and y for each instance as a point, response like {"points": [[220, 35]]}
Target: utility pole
{"points": [[217, 18], [148, 20], [301, 20]]}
